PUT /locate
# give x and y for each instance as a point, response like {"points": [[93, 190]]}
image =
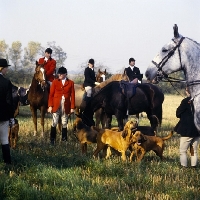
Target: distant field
{"points": [[42, 171]]}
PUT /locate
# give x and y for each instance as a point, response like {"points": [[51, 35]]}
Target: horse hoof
{"points": [[34, 134], [42, 134]]}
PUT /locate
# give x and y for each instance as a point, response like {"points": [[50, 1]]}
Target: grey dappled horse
{"points": [[181, 53]]}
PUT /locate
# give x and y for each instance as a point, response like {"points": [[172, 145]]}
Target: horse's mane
{"points": [[97, 90], [114, 77], [193, 41]]}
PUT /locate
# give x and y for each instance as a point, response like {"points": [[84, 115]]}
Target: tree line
{"points": [[23, 64], [23, 60]]}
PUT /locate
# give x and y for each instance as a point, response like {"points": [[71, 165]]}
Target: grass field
{"points": [[42, 171]]}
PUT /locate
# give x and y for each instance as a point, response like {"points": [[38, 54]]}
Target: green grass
{"points": [[42, 171]]}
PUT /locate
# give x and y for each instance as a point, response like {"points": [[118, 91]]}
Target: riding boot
{"points": [[6, 153], [53, 135], [84, 103], [88, 99], [64, 134]]}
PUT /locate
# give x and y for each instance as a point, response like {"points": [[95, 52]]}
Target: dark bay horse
{"points": [[79, 93], [38, 95], [148, 98], [99, 113]]}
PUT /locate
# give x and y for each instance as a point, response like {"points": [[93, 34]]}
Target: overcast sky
{"points": [[110, 31]]}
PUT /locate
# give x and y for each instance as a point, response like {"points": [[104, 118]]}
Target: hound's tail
{"points": [[168, 136]]}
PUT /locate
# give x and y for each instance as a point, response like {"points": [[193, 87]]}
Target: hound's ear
{"points": [[176, 34], [143, 138], [78, 115], [124, 133], [133, 130], [80, 125]]}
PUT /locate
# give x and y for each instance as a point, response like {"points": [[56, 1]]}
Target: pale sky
{"points": [[109, 31]]}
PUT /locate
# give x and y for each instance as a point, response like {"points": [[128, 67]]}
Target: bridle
{"points": [[160, 73], [40, 81], [100, 78]]}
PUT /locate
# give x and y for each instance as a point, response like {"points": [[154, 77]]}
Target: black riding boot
{"points": [[64, 134], [6, 153], [53, 135], [84, 103], [88, 99]]}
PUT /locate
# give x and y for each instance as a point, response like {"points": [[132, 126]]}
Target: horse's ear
{"points": [[99, 70], [176, 34], [125, 72], [124, 133], [105, 71], [36, 62]]}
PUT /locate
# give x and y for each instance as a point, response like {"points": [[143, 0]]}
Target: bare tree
{"points": [[15, 54], [58, 53]]}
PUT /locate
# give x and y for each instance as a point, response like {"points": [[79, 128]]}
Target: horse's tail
{"points": [[157, 120]]}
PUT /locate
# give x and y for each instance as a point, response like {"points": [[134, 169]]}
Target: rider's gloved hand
{"points": [[96, 83]]}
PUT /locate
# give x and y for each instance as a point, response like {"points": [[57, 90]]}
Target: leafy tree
{"points": [[30, 55], [15, 54], [3, 49]]}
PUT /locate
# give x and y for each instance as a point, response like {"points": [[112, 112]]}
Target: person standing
{"points": [[132, 71], [6, 111], [188, 131], [61, 102], [90, 80], [49, 65]]}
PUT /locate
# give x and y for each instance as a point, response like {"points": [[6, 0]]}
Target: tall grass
{"points": [[42, 171]]}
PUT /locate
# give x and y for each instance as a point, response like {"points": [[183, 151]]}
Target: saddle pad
{"points": [[128, 89]]}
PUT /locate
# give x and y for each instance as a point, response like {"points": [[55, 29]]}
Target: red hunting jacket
{"points": [[50, 67], [57, 90]]}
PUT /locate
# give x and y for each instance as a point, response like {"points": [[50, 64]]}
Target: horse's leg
{"points": [[120, 123], [98, 117], [153, 121], [120, 118], [103, 119], [34, 116], [137, 118], [43, 111], [109, 120]]}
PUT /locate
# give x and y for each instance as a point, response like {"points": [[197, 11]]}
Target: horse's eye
{"points": [[164, 50]]}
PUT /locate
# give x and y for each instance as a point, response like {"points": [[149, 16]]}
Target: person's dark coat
{"points": [[6, 101], [90, 78], [132, 73], [186, 127]]}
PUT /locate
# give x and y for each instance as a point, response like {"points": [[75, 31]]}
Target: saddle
{"points": [[128, 89]]}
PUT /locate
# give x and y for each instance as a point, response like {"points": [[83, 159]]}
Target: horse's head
{"points": [[101, 76], [168, 60], [40, 74]]}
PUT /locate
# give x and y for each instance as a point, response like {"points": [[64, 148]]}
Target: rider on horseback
{"points": [[133, 72], [90, 80], [49, 65]]}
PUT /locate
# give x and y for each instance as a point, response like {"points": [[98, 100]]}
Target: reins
{"points": [[166, 58], [162, 75]]}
